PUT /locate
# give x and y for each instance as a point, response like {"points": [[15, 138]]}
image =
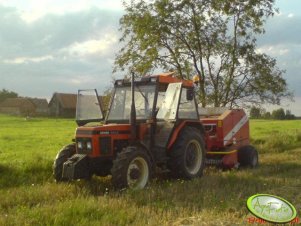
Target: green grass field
{"points": [[29, 195]]}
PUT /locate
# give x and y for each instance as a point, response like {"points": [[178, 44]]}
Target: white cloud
{"points": [[31, 16], [22, 60], [290, 15], [275, 50], [80, 80], [32, 10], [100, 46]]}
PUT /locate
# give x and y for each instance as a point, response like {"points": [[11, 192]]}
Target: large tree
{"points": [[214, 39]]}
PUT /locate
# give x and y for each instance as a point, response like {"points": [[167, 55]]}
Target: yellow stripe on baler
{"points": [[221, 152]]}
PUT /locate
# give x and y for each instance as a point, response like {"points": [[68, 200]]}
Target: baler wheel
{"points": [[248, 156], [131, 169], [60, 158], [187, 157]]}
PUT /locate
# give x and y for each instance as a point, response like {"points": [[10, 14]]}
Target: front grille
{"points": [[105, 145]]}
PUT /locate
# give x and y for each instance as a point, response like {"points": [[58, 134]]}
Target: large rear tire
{"points": [[248, 156], [187, 157], [60, 158], [131, 169]]}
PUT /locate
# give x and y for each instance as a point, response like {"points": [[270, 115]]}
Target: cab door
{"points": [[167, 115]]}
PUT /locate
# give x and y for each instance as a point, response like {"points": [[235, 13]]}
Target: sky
{"points": [[62, 45]]}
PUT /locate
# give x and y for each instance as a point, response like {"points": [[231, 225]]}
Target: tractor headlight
{"points": [[89, 145], [84, 145], [154, 79], [79, 145]]}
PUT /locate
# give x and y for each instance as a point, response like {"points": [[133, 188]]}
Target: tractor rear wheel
{"points": [[248, 156], [187, 157], [60, 158], [131, 169]]}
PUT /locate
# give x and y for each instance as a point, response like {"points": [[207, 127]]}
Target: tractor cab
{"points": [[160, 97], [155, 97]]}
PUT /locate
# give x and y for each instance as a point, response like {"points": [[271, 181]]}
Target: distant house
{"points": [[41, 106], [18, 106], [24, 106], [63, 105]]}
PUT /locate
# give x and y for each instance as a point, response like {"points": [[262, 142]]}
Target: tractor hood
{"points": [[107, 129]]}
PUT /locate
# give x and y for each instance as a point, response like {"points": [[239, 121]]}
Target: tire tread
{"points": [[176, 160]]}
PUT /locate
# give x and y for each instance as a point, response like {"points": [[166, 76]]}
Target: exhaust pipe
{"points": [[133, 111]]}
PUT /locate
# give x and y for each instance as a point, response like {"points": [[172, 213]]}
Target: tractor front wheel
{"points": [[62, 157], [248, 156], [131, 169], [188, 154]]}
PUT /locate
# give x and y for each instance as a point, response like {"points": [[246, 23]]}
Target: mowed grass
{"points": [[29, 195]]}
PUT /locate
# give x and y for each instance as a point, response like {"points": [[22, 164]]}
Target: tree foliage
{"points": [[4, 94], [106, 97], [211, 38], [278, 114], [255, 112], [289, 115], [266, 115]]}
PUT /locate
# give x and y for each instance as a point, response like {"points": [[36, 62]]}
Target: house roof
{"points": [[67, 100], [39, 103], [17, 102]]}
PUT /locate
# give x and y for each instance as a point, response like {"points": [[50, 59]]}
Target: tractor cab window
{"points": [[121, 103], [187, 106]]}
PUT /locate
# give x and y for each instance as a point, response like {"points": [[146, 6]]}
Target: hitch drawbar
{"points": [[76, 167]]}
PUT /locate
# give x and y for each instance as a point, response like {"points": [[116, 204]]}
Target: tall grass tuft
{"points": [[280, 142]]}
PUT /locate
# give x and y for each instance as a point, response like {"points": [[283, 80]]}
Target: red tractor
{"points": [[151, 123]]}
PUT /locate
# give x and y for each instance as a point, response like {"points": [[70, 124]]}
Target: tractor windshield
{"points": [[121, 103], [88, 108]]}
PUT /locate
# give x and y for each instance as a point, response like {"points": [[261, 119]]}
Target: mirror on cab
{"points": [[189, 94]]}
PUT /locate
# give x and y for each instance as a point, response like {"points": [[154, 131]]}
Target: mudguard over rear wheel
{"points": [[131, 169], [187, 157], [248, 156], [62, 157]]}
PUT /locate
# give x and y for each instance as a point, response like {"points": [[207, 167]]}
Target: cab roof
{"points": [[163, 78]]}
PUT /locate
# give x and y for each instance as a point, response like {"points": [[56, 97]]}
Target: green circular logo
{"points": [[271, 208]]}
